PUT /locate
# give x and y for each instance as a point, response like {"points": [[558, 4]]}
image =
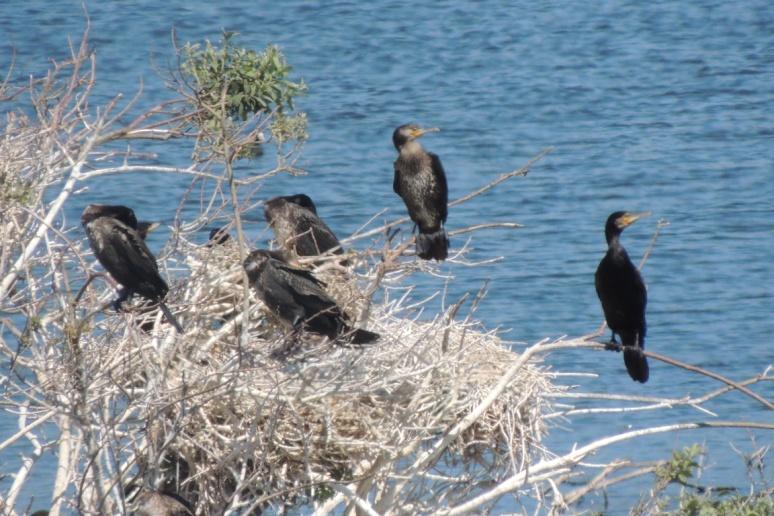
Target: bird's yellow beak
{"points": [[416, 133], [629, 218], [148, 226]]}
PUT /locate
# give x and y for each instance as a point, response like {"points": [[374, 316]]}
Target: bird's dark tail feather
{"points": [[433, 246], [170, 317], [358, 336], [636, 363]]}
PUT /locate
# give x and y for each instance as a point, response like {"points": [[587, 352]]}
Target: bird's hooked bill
{"points": [[630, 217], [416, 133], [147, 227]]}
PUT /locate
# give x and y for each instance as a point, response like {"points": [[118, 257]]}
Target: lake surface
{"points": [[659, 106]]}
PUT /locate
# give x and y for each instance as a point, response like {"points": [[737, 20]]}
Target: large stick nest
{"points": [[230, 417]]}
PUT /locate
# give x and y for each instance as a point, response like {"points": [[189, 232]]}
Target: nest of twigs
{"points": [[230, 418]]}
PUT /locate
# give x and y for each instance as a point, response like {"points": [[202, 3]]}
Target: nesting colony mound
{"points": [[233, 424]]}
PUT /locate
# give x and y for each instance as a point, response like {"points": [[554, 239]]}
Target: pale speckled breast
{"points": [[419, 190]]}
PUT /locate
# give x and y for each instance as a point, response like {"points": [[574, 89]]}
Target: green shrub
{"points": [[231, 84]]}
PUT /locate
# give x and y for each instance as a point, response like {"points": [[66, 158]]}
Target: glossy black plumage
{"points": [[123, 253], [623, 296], [297, 227], [421, 182], [298, 299]]}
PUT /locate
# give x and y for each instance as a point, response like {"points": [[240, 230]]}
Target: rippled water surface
{"points": [[658, 106]]}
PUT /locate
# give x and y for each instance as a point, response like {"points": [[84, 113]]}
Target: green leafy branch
{"points": [[234, 85], [702, 500]]}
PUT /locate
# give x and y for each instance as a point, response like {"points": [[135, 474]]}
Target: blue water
{"points": [[660, 106]]}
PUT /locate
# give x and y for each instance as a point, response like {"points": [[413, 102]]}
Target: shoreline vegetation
{"points": [[440, 416]]}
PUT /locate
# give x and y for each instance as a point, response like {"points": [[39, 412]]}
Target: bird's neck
{"points": [[614, 246], [612, 236], [411, 148]]}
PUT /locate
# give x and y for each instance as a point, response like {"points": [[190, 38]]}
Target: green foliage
{"points": [[680, 467], [340, 473], [15, 190], [253, 83], [759, 504], [697, 500], [285, 128], [233, 84]]}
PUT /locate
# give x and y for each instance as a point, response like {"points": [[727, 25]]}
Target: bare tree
{"points": [[441, 416]]}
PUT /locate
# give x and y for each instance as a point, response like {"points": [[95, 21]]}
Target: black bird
{"points": [[421, 183], [297, 228], [123, 253], [622, 292], [299, 300]]}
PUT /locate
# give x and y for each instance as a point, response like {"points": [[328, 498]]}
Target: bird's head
{"points": [[272, 206], [410, 132], [256, 261], [116, 211], [302, 200], [619, 220]]}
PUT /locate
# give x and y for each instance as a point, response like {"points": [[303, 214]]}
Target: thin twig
{"points": [[578, 454]]}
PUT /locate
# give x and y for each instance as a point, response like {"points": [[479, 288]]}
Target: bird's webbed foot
{"points": [[612, 344]]}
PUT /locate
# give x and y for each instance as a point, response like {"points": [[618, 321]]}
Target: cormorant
{"points": [[123, 253], [421, 183], [297, 228], [297, 298], [623, 296]]}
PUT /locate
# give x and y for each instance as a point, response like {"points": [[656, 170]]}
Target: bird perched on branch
{"points": [[298, 228], [623, 296], [299, 300], [421, 182], [121, 250]]}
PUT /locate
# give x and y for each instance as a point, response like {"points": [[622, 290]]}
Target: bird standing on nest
{"points": [[623, 296], [299, 300], [297, 227], [122, 252], [421, 182]]}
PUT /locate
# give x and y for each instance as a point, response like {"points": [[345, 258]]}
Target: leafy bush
{"points": [[758, 504], [696, 500], [253, 83], [232, 87], [680, 467]]}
